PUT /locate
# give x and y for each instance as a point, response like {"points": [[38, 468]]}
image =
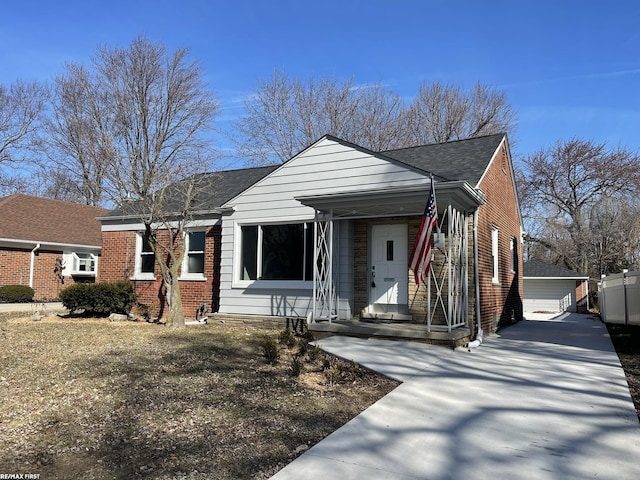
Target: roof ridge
{"points": [[16, 196], [449, 142]]}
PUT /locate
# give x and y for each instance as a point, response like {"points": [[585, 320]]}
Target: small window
{"points": [[389, 250], [495, 276], [195, 253], [78, 263], [145, 258]]}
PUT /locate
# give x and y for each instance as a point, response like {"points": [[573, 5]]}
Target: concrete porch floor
{"points": [[390, 329]]}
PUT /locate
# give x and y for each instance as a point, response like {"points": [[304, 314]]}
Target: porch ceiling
{"points": [[394, 201]]}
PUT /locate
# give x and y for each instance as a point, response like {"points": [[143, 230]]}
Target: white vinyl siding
{"points": [[326, 167]]}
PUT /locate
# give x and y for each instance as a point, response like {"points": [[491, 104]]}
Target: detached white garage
{"points": [[551, 288]]}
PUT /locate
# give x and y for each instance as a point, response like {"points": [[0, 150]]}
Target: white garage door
{"points": [[545, 295]]}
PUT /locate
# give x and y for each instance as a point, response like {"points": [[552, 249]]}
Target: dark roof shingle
{"points": [[537, 268], [25, 217], [213, 189], [458, 160]]}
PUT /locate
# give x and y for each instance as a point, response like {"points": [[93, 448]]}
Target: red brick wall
{"points": [[499, 301], [118, 263], [582, 293], [15, 267]]}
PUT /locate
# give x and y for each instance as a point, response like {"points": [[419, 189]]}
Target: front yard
{"points": [[94, 399]]}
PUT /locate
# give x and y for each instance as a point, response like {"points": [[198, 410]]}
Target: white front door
{"points": [[388, 272]]}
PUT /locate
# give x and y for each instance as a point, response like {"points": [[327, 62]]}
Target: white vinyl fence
{"points": [[619, 297]]}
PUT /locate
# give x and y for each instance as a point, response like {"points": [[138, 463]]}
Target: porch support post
{"points": [[324, 303], [465, 246], [451, 282]]}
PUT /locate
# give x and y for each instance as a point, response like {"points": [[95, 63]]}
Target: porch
{"points": [[383, 300]]}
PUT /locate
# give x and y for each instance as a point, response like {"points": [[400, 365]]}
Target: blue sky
{"points": [[569, 68]]}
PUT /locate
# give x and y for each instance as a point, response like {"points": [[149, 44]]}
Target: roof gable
{"points": [[328, 143], [36, 219], [465, 160], [328, 167]]}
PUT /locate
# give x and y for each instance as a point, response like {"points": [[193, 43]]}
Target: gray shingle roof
{"points": [[458, 160], [213, 189], [537, 268]]}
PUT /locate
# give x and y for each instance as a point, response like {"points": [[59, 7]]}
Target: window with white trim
{"points": [[495, 275], [145, 258], [276, 252], [80, 264], [193, 263]]}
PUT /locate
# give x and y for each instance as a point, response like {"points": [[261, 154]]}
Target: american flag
{"points": [[420, 259]]}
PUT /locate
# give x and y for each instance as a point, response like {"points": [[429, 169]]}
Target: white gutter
{"points": [[23, 243], [478, 341], [33, 259]]}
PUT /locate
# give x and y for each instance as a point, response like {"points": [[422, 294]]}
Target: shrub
{"points": [[286, 337], [16, 294], [270, 350], [99, 299], [297, 366]]}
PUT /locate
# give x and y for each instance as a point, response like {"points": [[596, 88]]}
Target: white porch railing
{"points": [[452, 278]]}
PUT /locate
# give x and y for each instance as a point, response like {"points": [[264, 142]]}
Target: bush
{"points": [[270, 350], [99, 299], [16, 294]]}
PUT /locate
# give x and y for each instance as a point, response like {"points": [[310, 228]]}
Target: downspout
{"points": [[478, 341], [33, 260]]}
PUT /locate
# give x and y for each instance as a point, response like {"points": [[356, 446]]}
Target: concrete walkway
{"points": [[31, 307], [544, 399]]}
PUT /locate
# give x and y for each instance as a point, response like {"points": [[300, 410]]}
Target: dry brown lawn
{"points": [[93, 399]]}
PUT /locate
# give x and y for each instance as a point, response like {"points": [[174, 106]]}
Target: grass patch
{"points": [[98, 399]]}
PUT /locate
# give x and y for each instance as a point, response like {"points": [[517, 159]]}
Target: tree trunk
{"points": [[174, 298]]}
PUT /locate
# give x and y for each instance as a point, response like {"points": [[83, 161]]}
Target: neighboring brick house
{"points": [[125, 256], [326, 236], [48, 244]]}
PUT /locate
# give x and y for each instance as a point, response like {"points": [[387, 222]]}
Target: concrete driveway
{"points": [[543, 399]]}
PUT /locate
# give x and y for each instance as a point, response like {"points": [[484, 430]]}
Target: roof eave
{"points": [[530, 277], [200, 213], [26, 243]]}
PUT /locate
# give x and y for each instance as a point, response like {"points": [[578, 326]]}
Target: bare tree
{"points": [[80, 133], [133, 123], [285, 115], [22, 105], [569, 187], [444, 112]]}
